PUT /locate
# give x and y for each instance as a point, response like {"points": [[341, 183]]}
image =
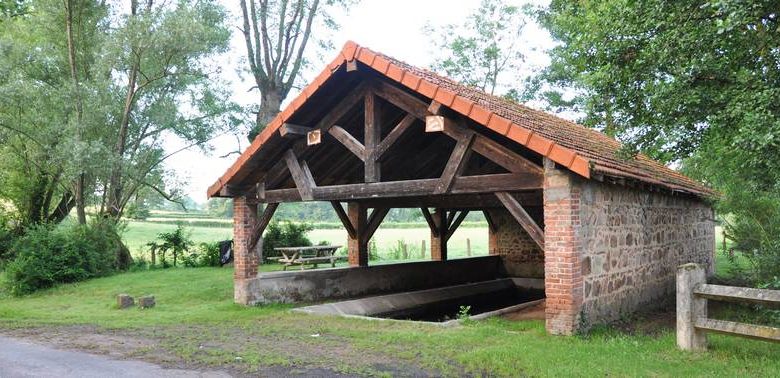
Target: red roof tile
{"points": [[582, 150]]}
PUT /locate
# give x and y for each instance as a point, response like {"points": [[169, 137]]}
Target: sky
{"points": [[382, 25]]}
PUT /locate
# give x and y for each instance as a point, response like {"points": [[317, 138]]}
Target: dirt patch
{"points": [[239, 351], [535, 312]]}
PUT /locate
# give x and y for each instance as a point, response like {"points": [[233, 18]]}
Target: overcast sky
{"points": [[386, 26]]}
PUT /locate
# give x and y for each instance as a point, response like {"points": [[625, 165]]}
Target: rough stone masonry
{"points": [[610, 250]]}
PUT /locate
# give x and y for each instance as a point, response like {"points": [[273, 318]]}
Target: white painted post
{"points": [[690, 307]]}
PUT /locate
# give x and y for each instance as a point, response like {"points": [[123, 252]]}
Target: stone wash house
{"points": [[604, 234]]}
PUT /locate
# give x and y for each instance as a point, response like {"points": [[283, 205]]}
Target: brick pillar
{"points": [[439, 243], [562, 261], [245, 262], [357, 248]]}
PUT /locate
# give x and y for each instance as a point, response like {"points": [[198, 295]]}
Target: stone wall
{"points": [[520, 255], [632, 242], [338, 283]]}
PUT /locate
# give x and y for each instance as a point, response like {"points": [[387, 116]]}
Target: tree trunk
{"points": [[271, 102], [80, 180]]}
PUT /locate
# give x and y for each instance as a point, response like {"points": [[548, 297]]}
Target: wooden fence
{"points": [[692, 322]]}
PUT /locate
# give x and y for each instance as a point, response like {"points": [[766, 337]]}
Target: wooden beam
{"points": [[394, 134], [456, 164], [377, 215], [352, 144], [435, 108], [456, 223], [401, 99], [344, 219], [492, 150], [302, 178], [346, 104], [411, 188], [522, 217], [373, 134], [489, 219], [429, 219], [262, 223], [289, 130]]}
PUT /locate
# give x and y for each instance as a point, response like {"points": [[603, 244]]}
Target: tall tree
{"points": [[691, 81], [89, 95], [485, 51], [277, 34]]}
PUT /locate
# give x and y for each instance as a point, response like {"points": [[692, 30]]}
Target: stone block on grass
{"points": [[124, 301], [146, 302]]}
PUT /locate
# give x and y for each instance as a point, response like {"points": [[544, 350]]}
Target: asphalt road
{"points": [[19, 358]]}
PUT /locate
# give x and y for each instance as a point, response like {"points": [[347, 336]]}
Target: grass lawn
{"points": [[196, 321]]}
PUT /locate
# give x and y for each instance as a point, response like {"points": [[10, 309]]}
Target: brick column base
{"points": [[439, 243], [245, 262], [562, 261]]}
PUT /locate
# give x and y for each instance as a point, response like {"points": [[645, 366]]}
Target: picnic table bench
{"points": [[309, 255]]}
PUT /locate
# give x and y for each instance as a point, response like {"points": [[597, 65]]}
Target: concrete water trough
{"points": [[441, 305]]}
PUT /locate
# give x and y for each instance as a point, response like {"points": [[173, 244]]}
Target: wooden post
{"points": [[690, 308], [468, 247], [422, 249], [357, 247], [439, 239]]}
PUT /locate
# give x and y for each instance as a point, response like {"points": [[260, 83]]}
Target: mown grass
{"points": [[195, 308]]}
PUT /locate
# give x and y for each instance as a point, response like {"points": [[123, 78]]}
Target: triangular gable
{"points": [[558, 143]]}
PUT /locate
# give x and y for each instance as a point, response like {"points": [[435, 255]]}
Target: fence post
{"points": [[690, 307]]}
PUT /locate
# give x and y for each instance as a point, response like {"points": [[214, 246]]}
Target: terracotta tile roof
{"points": [[580, 149]]}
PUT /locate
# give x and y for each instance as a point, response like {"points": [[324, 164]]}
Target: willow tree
{"points": [[90, 92], [277, 34]]}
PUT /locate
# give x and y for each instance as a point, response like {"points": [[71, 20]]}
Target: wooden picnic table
{"points": [[312, 255]]}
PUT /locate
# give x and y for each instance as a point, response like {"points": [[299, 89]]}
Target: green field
{"points": [[138, 233]]}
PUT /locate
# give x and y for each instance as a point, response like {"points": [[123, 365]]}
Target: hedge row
{"points": [[315, 225]]}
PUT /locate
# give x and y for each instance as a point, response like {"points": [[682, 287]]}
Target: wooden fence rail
{"points": [[692, 322]]}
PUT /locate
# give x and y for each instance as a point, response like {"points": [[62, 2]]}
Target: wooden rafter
{"points": [[482, 145], [262, 223], [352, 144], [301, 175], [522, 217], [456, 164], [289, 130], [401, 99], [394, 134]]}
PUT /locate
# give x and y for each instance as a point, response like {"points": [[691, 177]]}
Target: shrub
{"points": [[754, 226], [177, 243], [286, 234], [6, 242], [46, 256], [206, 255]]}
